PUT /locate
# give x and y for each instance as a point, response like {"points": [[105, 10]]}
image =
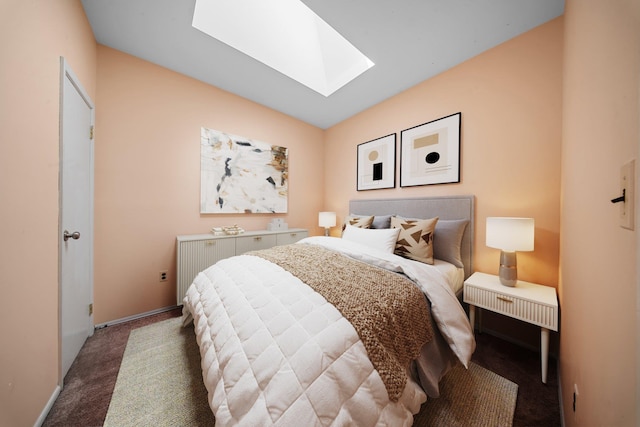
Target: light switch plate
{"points": [[627, 184]]}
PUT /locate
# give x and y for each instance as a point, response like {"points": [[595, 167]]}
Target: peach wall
{"points": [[599, 271], [148, 175], [147, 180], [510, 100], [510, 142], [34, 35]]}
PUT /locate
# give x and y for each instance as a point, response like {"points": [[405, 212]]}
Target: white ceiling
{"points": [[408, 40]]}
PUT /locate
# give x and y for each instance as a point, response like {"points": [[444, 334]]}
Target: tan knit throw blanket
{"points": [[388, 311]]}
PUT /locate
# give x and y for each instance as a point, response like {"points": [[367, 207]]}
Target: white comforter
{"points": [[274, 352]]}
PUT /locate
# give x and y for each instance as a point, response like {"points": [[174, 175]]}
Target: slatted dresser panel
{"points": [[199, 251], [196, 255]]}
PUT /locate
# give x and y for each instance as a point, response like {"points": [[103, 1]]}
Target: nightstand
{"points": [[529, 302]]}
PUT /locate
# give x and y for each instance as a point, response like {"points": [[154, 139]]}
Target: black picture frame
{"points": [[430, 152], [376, 168]]}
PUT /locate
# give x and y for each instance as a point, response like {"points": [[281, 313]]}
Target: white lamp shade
{"points": [[510, 234], [327, 219]]}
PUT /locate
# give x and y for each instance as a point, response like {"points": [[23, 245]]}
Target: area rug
{"points": [[160, 384], [475, 397], [160, 381]]}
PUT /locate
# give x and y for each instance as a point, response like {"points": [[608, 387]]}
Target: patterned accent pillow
{"points": [[358, 221], [379, 221], [415, 240]]}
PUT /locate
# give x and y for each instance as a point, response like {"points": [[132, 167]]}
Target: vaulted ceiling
{"points": [[408, 40]]}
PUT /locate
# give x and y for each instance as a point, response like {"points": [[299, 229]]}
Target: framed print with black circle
{"points": [[377, 163], [430, 152]]}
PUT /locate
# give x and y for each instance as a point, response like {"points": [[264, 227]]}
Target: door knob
{"points": [[75, 235]]}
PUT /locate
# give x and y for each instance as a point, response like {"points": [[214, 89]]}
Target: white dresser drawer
{"points": [[254, 243], [289, 237]]}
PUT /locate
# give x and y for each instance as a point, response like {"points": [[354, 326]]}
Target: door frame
{"points": [[67, 73]]}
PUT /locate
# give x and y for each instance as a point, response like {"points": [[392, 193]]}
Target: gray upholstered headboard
{"points": [[447, 207]]}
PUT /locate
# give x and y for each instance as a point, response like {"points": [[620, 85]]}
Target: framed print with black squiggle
{"points": [[377, 163], [430, 152]]}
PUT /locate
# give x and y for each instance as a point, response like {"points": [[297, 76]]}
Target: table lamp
{"points": [[510, 235], [327, 220]]}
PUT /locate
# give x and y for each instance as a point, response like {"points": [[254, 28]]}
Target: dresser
{"points": [[196, 252]]}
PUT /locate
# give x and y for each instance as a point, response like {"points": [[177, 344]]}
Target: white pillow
{"points": [[383, 239]]}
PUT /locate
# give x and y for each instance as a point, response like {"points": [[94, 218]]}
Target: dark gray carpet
{"points": [[85, 399], [160, 385]]}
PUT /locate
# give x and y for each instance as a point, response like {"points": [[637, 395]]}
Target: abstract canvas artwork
{"points": [[241, 175]]}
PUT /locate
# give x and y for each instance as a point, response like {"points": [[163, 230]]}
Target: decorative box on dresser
{"points": [[196, 252], [529, 302]]}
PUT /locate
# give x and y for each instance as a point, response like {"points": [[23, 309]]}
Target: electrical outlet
{"points": [[164, 275], [627, 188]]}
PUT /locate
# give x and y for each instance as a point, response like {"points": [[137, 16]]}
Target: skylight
{"points": [[285, 35]]}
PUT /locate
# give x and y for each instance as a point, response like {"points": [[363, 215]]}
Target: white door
{"points": [[76, 217]]}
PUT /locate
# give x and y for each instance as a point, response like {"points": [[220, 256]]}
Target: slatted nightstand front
{"points": [[529, 302]]}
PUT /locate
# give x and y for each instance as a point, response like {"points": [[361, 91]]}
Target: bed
{"points": [[338, 330]]}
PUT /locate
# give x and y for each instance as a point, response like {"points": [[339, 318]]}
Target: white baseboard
{"points": [[58, 389], [562, 424], [135, 317], [47, 408]]}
